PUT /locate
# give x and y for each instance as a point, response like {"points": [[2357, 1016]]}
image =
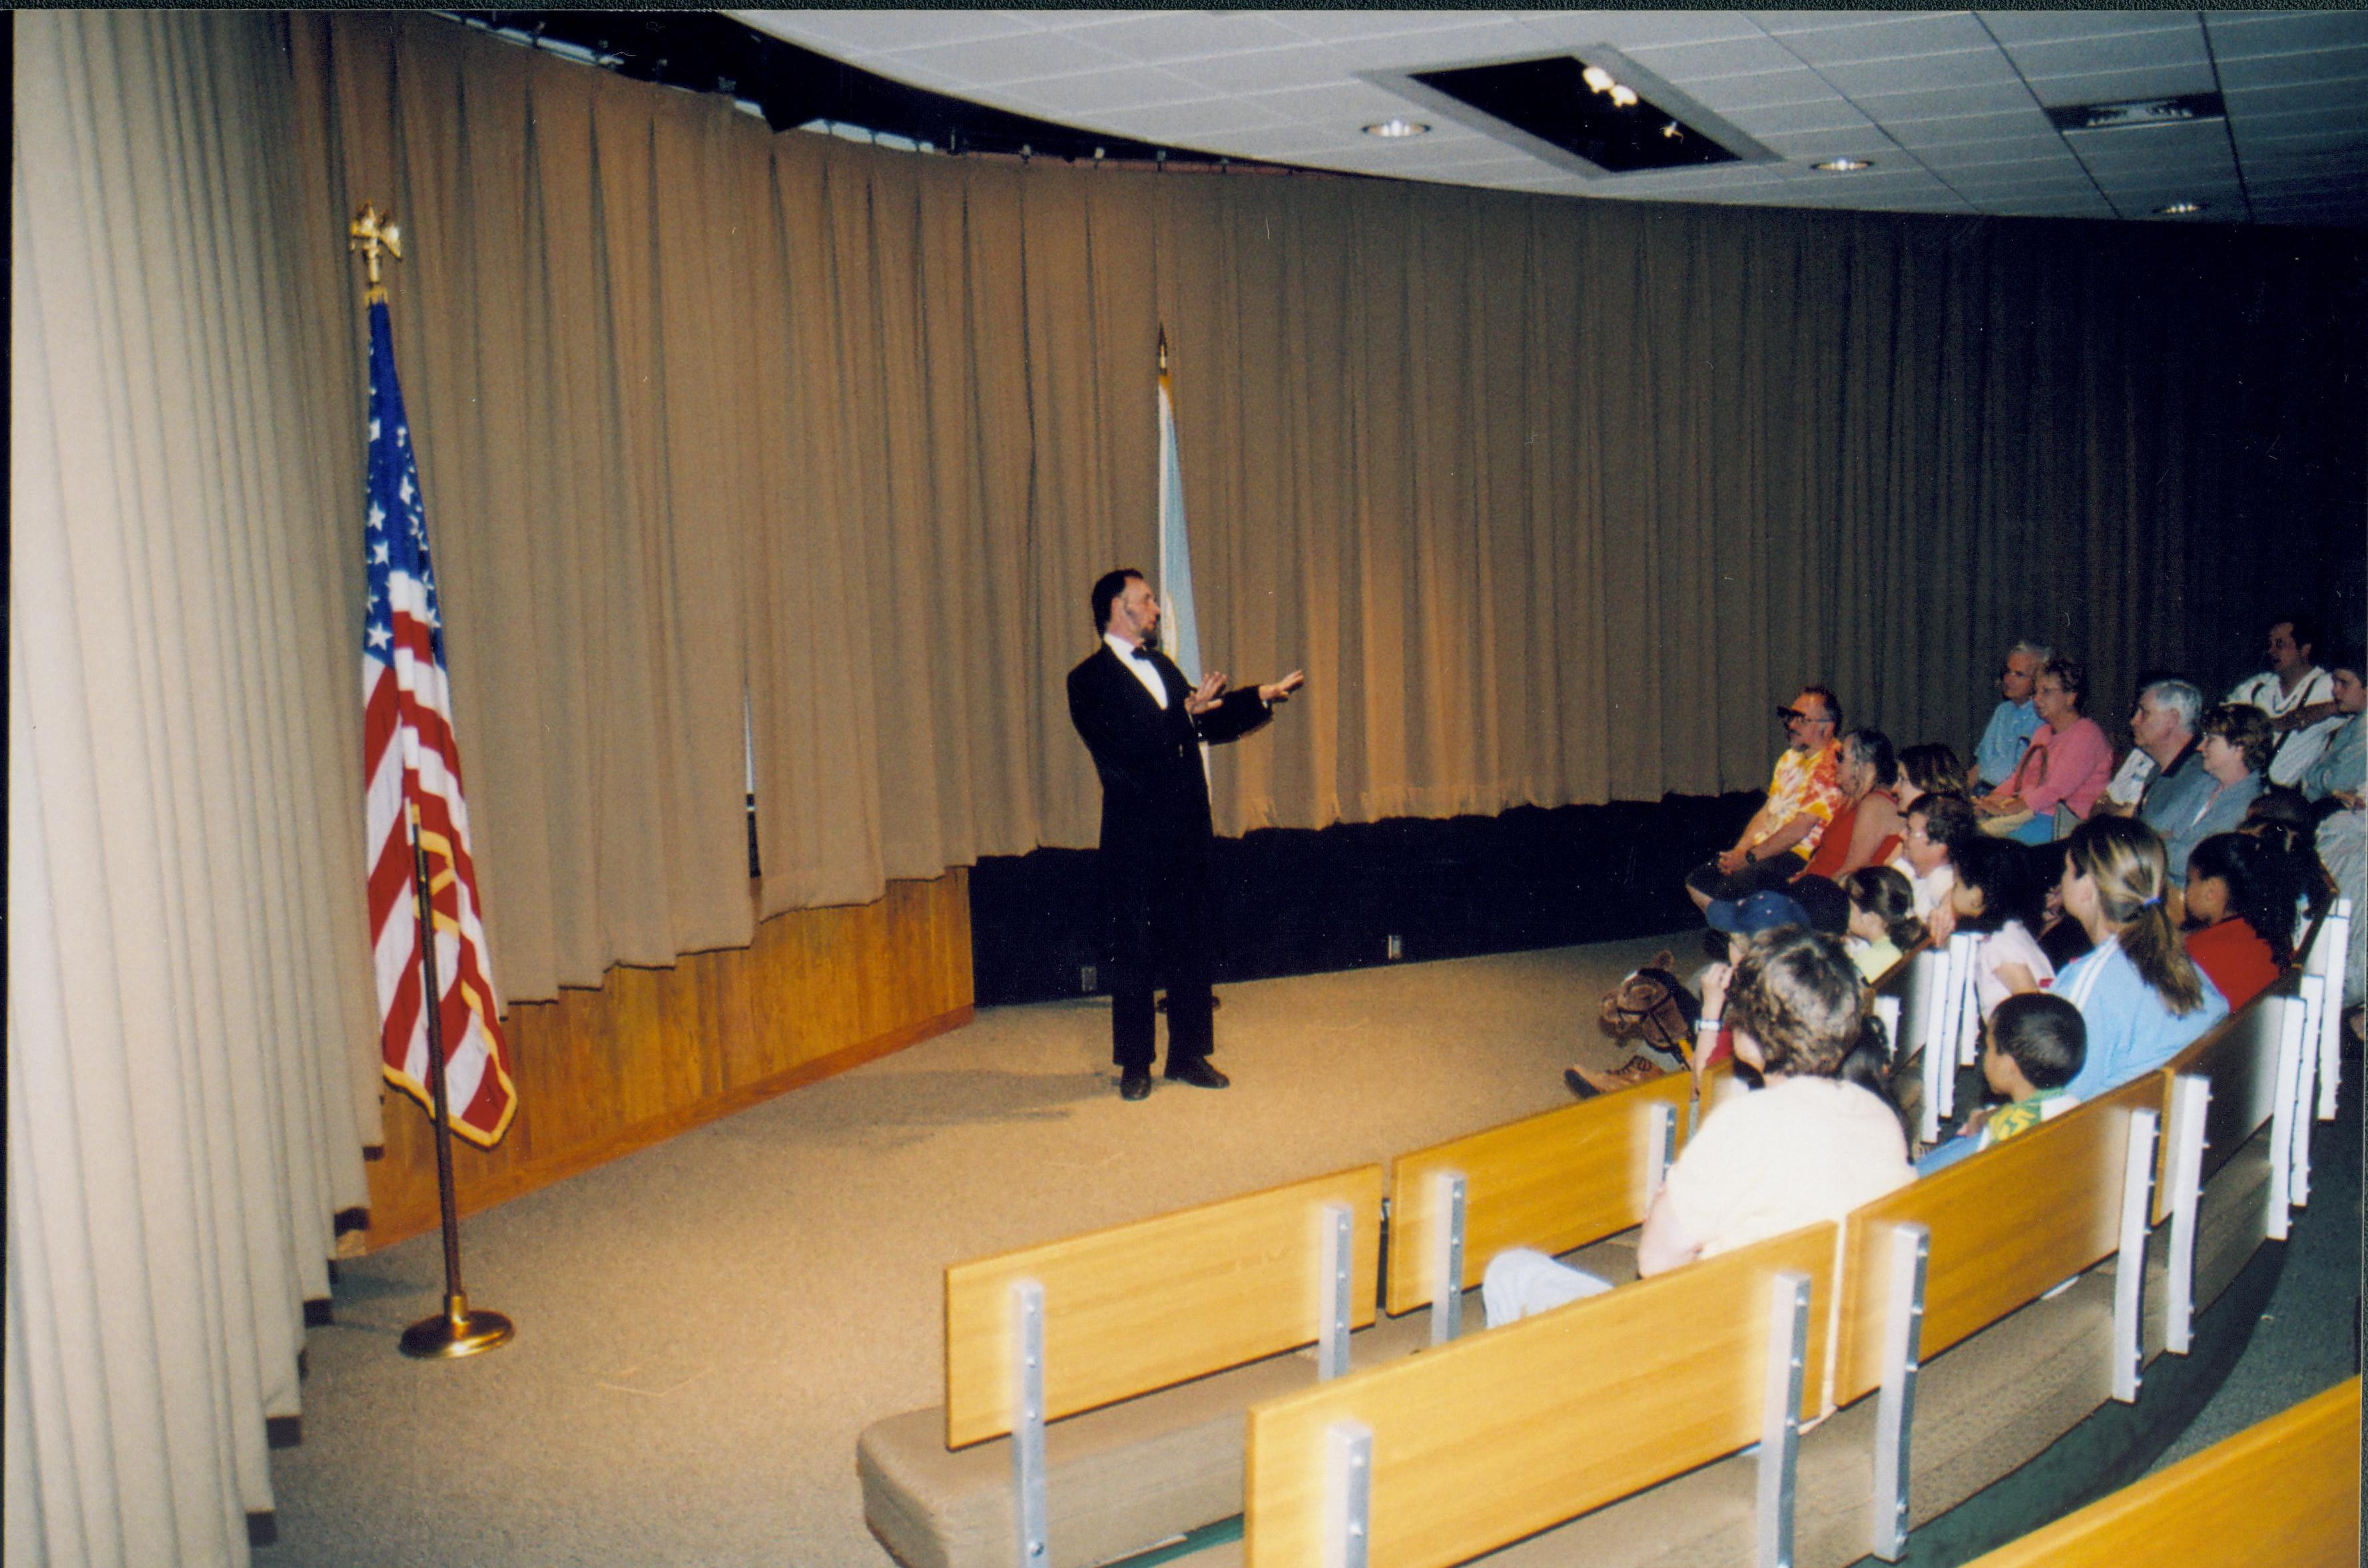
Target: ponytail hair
{"points": [[1883, 893], [2125, 859]]}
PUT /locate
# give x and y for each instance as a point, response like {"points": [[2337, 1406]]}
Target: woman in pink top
{"points": [[2068, 762]]}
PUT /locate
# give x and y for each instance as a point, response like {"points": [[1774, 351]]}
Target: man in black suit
{"points": [[1146, 726]]}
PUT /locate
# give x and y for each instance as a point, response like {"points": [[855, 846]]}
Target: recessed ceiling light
{"points": [[1844, 165], [2179, 209], [1392, 130]]}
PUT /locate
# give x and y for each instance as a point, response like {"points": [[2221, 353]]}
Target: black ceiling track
{"points": [[792, 87]]}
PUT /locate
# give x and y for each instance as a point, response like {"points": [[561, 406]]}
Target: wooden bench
{"points": [[1927, 1266], [1446, 1455], [1044, 1455], [2285, 1491], [1553, 1182]]}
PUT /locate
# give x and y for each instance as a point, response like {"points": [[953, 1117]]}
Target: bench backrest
{"points": [[1486, 1440], [1553, 1182], [1138, 1306], [2287, 1491], [2007, 1226], [2238, 1057]]}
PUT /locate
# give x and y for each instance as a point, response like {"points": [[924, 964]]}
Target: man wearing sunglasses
{"points": [[1802, 795]]}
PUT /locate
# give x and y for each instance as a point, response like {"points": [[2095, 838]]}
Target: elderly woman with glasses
{"points": [[2236, 751], [2068, 762]]}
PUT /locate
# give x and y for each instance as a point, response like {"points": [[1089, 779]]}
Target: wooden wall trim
{"points": [[656, 1052]]}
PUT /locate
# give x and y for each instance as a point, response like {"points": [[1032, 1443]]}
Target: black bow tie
{"points": [[1140, 653]]}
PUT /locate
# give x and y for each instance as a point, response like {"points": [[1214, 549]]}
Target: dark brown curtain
{"points": [[1552, 499]]}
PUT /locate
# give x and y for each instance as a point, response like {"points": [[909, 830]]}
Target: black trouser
{"points": [[1160, 933], [1753, 877]]}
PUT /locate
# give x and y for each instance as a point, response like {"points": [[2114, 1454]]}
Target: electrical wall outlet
{"points": [[1087, 977], [1398, 947]]}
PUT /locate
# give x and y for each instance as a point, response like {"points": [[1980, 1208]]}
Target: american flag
{"points": [[410, 758]]}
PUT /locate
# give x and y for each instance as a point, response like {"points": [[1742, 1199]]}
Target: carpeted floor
{"points": [[705, 1327]]}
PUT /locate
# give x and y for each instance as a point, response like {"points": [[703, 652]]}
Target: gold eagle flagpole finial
{"points": [[370, 234], [1163, 350]]}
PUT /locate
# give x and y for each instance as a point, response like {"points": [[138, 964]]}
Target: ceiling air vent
{"points": [[2138, 111], [1592, 111]]}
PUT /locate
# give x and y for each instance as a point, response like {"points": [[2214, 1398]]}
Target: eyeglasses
{"points": [[1793, 715]]}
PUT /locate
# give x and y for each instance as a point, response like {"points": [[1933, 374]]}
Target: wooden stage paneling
{"points": [[656, 1052]]}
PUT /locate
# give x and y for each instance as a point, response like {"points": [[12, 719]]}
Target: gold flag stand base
{"points": [[456, 1332]]}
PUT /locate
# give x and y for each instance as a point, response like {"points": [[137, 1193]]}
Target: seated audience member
{"points": [[2012, 721], [2162, 763], [2237, 746], [2141, 995], [2297, 696], [1998, 898], [1802, 795], [2060, 935], [1868, 1066], [1938, 826], [2066, 764], [2339, 776], [2240, 913], [2031, 1046], [1883, 924], [1805, 1148], [1867, 825], [1925, 768]]}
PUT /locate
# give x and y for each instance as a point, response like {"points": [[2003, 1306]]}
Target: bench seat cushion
{"points": [[1983, 1409], [1121, 1479]]}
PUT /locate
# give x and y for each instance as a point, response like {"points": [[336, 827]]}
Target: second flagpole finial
{"points": [[370, 233], [1163, 350]]}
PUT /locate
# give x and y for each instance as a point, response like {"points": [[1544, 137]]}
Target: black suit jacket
{"points": [[1155, 795]]}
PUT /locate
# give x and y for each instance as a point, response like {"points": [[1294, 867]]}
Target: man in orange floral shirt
{"points": [[1802, 795]]}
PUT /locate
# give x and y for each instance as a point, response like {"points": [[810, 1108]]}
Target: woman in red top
{"points": [[1867, 825], [2240, 910]]}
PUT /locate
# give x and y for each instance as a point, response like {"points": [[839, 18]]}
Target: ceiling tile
{"points": [[2123, 87], [1159, 37], [1763, 89], [1777, 120], [2017, 122], [2284, 32], [1352, 23], [2037, 26], [1348, 105], [995, 61], [2329, 101], [2124, 52], [1684, 62], [2290, 69], [1815, 146], [1192, 124], [1963, 68], [1944, 103], [2023, 151], [1630, 30], [1300, 66], [1893, 37], [1095, 92]]}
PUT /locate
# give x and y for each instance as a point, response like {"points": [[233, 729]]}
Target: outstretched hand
{"points": [[1279, 692], [1204, 696]]}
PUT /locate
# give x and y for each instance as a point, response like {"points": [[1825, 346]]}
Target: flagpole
{"points": [[456, 1330]]}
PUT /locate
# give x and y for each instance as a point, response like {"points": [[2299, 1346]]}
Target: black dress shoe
{"points": [[1134, 1082], [1577, 1084], [1196, 1072]]}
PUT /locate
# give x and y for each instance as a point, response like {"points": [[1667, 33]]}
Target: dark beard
{"points": [[1151, 640]]}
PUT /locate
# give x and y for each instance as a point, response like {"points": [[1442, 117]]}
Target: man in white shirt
{"points": [[2163, 725], [1145, 724], [2298, 697]]}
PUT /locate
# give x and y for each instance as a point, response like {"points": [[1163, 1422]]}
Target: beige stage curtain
{"points": [[186, 964], [1552, 499]]}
